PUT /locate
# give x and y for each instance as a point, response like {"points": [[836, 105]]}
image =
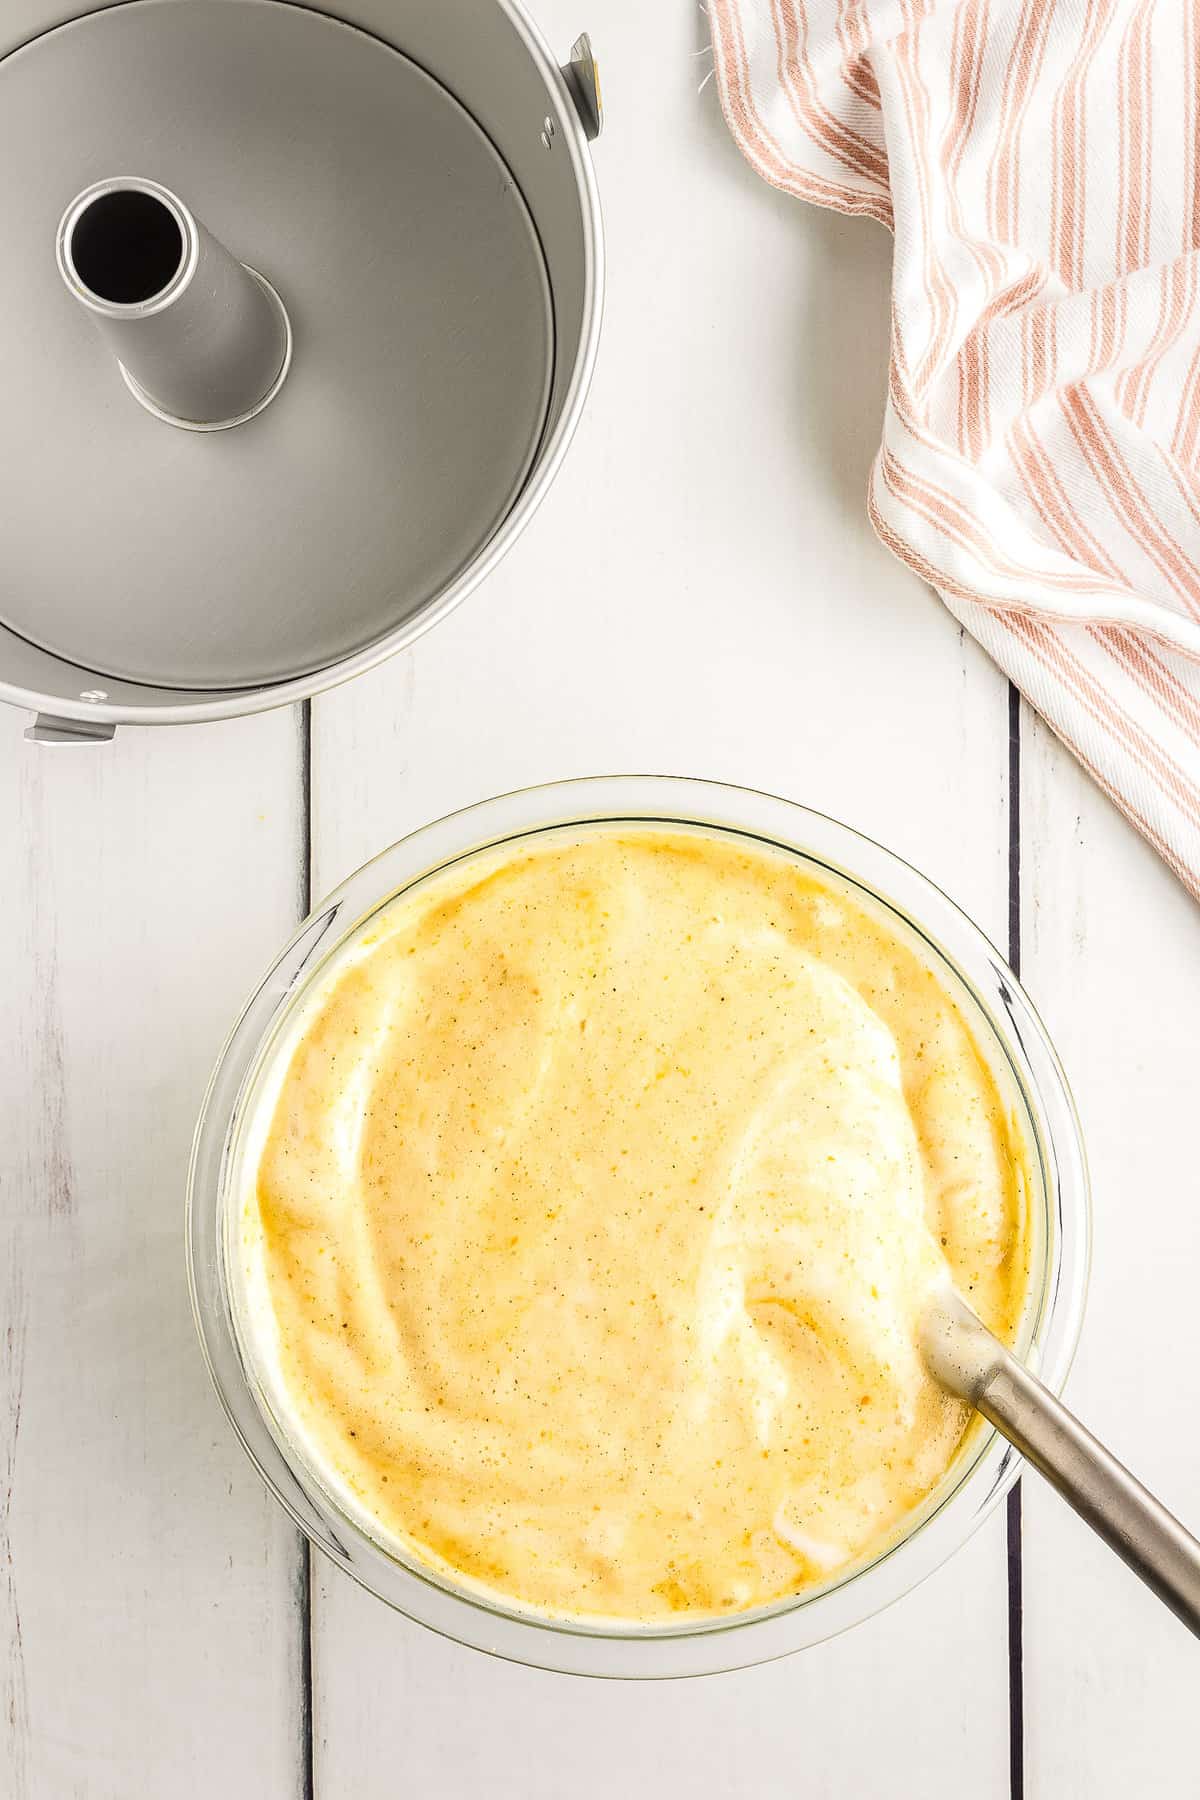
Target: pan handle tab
{"points": [[48, 728], [583, 78]]}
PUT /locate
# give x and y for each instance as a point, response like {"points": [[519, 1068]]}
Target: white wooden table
{"points": [[701, 594]]}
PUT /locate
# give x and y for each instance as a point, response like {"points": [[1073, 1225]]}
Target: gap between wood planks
{"points": [[1016, 1673], [304, 1569]]}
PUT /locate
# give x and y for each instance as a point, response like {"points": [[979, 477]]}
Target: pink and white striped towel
{"points": [[1039, 162]]}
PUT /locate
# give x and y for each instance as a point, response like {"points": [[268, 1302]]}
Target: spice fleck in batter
{"points": [[597, 1214]]}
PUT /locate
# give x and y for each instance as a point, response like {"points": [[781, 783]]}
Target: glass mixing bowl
{"points": [[1008, 1033]]}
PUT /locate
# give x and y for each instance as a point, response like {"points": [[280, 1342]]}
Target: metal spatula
{"points": [[964, 1356]]}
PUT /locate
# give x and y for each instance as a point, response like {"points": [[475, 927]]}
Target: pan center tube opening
{"points": [[127, 247], [202, 340]]}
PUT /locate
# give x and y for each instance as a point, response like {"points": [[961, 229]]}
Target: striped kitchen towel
{"points": [[1039, 162]]}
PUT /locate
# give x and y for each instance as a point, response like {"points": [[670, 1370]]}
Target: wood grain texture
{"points": [[702, 595], [147, 1612], [1112, 956], [887, 1710]]}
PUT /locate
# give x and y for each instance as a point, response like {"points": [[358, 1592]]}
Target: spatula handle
{"points": [[1101, 1489], [968, 1360]]}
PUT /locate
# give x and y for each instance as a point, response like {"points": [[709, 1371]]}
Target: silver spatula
{"points": [[964, 1356]]}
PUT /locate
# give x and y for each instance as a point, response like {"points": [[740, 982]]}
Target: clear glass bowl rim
{"points": [[983, 1477]]}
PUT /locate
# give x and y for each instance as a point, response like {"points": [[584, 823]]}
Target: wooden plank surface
{"points": [[149, 1634], [1112, 954], [702, 595]]}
